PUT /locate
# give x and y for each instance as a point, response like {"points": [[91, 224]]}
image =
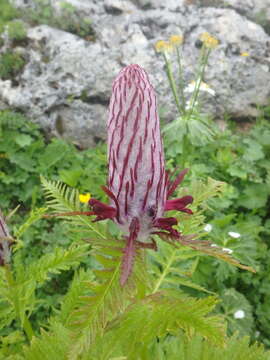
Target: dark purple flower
{"points": [[138, 185]]}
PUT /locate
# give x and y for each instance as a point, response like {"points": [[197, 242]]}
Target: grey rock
{"points": [[117, 7], [86, 118], [172, 5], [23, 4], [235, 77], [66, 83], [255, 10]]}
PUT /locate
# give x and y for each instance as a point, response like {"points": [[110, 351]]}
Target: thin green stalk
{"points": [[164, 273], [12, 285], [185, 149], [181, 81], [28, 328], [201, 71], [172, 83]]}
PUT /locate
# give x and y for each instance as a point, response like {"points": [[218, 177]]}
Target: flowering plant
{"points": [[191, 127], [138, 185], [99, 317]]}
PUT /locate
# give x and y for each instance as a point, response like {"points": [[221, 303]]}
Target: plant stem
{"points": [[198, 81], [181, 81], [172, 83], [164, 273], [184, 149], [9, 276], [28, 328], [12, 285]]}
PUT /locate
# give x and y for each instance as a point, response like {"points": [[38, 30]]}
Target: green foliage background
{"points": [[241, 160]]}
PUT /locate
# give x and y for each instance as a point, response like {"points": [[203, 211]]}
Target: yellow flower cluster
{"points": [[84, 198], [176, 40], [208, 40], [244, 53], [168, 46], [163, 46]]}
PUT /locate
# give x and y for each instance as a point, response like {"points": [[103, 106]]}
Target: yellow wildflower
{"points": [[163, 46], [176, 40], [244, 53], [208, 40], [84, 198]]}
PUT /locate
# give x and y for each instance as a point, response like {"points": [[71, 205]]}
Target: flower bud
{"points": [[138, 184], [137, 175]]}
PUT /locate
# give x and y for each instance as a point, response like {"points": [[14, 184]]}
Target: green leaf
{"points": [[51, 345], [23, 161], [168, 267], [60, 259], [23, 140], [78, 288], [254, 196], [231, 303], [254, 151], [196, 348], [71, 177], [34, 216], [63, 199], [53, 153], [235, 170], [156, 317]]}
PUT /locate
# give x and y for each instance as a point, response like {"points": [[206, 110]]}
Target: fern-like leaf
{"points": [[34, 216], [194, 224], [196, 348], [53, 263], [167, 267], [78, 288], [106, 298], [21, 295], [50, 346], [156, 317], [64, 199]]}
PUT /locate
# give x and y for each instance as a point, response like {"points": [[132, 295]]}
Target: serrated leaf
{"points": [[60, 259]]}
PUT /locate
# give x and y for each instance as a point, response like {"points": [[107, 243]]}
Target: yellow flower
{"points": [[244, 54], [84, 198], [208, 40], [176, 40], [163, 46]]}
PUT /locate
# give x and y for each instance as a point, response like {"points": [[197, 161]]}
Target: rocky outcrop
{"points": [[66, 82]]}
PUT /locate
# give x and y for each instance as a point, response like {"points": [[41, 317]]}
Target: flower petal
{"points": [[101, 210], [179, 204], [173, 185], [166, 224]]}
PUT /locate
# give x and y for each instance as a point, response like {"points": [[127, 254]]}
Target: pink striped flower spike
{"points": [[138, 185]]}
